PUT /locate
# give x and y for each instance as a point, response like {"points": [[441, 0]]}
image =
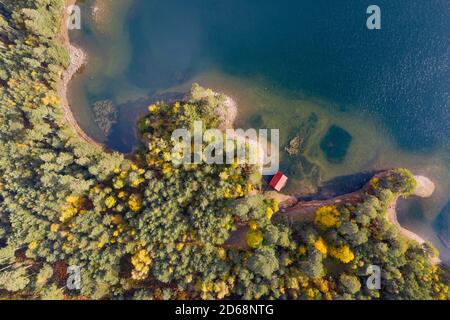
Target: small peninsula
{"points": [[148, 227]]}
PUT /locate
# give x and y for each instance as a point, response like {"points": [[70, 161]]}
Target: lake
{"points": [[359, 99]]}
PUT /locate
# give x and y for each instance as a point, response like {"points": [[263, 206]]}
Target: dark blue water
{"points": [[400, 74]]}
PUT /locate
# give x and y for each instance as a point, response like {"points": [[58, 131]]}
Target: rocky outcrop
{"points": [[228, 114], [425, 187]]}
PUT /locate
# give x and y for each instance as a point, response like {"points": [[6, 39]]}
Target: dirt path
{"points": [[305, 212], [301, 211]]}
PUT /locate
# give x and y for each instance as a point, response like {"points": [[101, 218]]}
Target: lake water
{"points": [[360, 100]]}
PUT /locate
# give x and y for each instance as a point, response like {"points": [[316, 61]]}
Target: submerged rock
{"points": [[105, 115], [294, 146], [335, 144]]}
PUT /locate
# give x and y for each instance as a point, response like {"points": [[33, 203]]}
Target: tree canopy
{"points": [[145, 228]]}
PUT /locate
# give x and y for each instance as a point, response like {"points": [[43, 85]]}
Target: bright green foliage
{"points": [[131, 223]]}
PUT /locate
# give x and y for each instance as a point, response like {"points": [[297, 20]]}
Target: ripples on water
{"points": [[389, 89]]}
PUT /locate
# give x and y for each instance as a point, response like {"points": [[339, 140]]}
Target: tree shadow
{"points": [[340, 186], [442, 225], [124, 136]]}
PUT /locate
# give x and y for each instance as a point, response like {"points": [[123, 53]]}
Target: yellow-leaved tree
{"points": [[328, 217], [254, 238], [321, 246], [343, 253]]}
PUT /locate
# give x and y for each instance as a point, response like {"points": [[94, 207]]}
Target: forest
{"points": [[140, 227]]}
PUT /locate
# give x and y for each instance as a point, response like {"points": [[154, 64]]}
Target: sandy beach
{"points": [[425, 189], [77, 60], [305, 211], [293, 210]]}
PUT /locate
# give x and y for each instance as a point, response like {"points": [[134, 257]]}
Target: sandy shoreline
{"points": [[294, 210], [77, 60], [229, 115], [425, 189], [391, 214]]}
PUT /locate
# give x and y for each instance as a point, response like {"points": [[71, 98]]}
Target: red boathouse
{"points": [[278, 181]]}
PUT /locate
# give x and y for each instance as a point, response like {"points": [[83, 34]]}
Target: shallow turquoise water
{"points": [[390, 89], [318, 47]]}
